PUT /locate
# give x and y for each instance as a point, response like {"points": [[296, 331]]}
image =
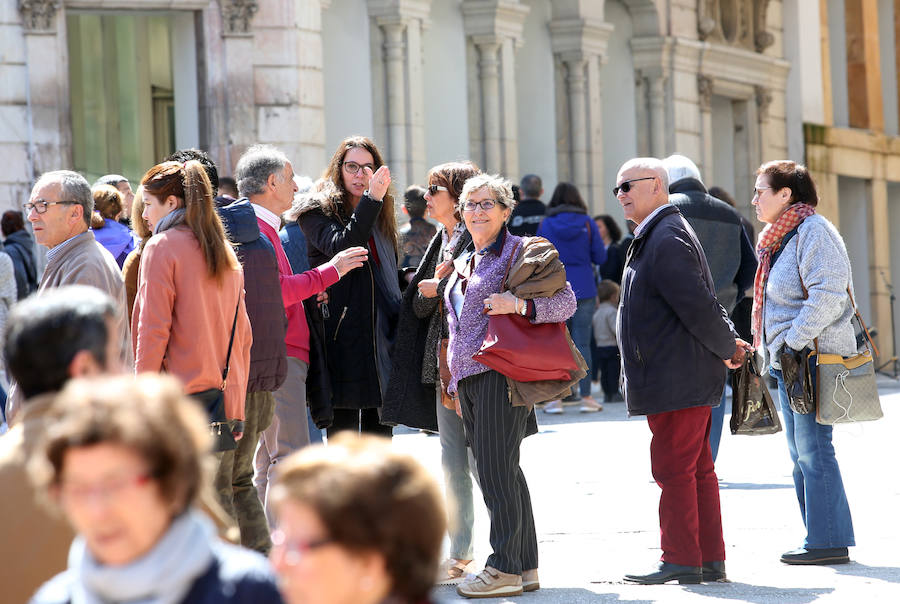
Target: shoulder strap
{"points": [[782, 245], [512, 256], [231, 342]]}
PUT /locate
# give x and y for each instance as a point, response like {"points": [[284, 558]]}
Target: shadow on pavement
{"points": [[567, 595], [884, 573], [753, 486], [758, 594]]}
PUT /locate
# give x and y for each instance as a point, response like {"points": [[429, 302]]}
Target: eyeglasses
{"points": [[108, 489], [757, 191], [433, 189], [486, 205], [295, 550], [351, 167], [626, 186], [40, 206]]}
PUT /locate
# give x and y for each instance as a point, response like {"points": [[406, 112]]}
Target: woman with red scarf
{"points": [[801, 295]]}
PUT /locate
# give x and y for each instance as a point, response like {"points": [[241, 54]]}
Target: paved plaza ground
{"points": [[595, 506]]}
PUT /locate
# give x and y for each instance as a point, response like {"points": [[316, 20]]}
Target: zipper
{"points": [[374, 348], [340, 320]]}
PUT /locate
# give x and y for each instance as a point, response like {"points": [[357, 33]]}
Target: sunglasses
{"points": [[433, 189], [626, 186]]}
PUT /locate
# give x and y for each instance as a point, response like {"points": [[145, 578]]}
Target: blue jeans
{"points": [[817, 477], [459, 467], [715, 428], [580, 328]]}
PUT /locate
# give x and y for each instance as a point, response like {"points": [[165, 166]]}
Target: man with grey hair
{"points": [[265, 176], [729, 252], [59, 211], [121, 183], [675, 338]]}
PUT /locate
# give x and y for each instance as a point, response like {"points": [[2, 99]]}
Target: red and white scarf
{"points": [[769, 242]]}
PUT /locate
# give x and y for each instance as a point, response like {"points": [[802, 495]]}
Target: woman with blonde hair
{"points": [[109, 232], [189, 316], [355, 207]]}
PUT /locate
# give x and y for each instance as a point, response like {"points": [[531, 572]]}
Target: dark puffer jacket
{"points": [[268, 356], [20, 247], [672, 332], [718, 226]]}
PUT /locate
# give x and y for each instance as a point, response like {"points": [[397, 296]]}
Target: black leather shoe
{"points": [[668, 572], [821, 556], [714, 571]]}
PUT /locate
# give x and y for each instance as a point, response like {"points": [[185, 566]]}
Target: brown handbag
{"points": [[526, 351], [447, 400]]}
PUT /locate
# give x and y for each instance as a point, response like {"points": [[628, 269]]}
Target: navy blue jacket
{"points": [[268, 355], [576, 237], [729, 252], [20, 247], [236, 576], [673, 334]]}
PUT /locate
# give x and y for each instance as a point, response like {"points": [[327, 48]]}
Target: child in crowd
{"points": [[604, 323]]}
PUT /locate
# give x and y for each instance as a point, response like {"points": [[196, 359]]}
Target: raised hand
{"points": [[379, 181]]}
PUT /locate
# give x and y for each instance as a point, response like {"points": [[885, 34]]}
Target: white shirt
{"points": [[640, 228], [270, 218]]}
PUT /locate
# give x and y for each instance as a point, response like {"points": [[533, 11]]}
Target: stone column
{"points": [[399, 110], [494, 31], [657, 96], [642, 114], [763, 101], [705, 90], [879, 254], [239, 103], [579, 38]]}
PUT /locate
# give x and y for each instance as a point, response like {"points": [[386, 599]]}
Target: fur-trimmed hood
{"points": [[324, 196]]}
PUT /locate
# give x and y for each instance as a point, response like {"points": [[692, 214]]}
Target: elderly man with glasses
{"points": [[59, 211], [676, 341]]}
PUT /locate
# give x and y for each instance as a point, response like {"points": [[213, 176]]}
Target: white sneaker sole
{"points": [[499, 592]]}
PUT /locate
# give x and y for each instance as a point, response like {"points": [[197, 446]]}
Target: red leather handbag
{"points": [[526, 351]]}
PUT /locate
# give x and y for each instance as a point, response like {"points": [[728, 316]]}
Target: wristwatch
{"points": [[524, 310]]}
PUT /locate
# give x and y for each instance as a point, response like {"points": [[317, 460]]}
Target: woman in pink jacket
{"points": [[190, 290]]}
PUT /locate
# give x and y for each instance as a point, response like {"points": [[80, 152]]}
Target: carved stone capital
{"points": [[236, 16], [705, 91], [763, 38], [38, 15], [763, 100]]}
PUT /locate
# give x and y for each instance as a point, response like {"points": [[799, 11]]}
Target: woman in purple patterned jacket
{"points": [[494, 423]]}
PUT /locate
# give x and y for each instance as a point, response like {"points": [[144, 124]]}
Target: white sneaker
{"points": [[554, 407]]}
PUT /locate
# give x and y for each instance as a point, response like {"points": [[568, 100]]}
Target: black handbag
{"points": [[213, 400], [752, 409]]}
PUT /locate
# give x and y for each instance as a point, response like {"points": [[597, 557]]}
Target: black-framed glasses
{"points": [[40, 206], [626, 186], [486, 205], [433, 189], [351, 167], [294, 550]]}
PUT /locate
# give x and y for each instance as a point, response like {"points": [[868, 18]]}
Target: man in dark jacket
{"points": [[529, 212], [729, 252], [268, 362], [674, 340], [20, 247]]}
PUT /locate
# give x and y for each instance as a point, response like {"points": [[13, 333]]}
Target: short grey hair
{"points": [[255, 166], [500, 188], [680, 167], [73, 187], [112, 180]]}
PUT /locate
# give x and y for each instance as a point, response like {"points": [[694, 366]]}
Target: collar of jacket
{"points": [[670, 209], [687, 184], [565, 208]]}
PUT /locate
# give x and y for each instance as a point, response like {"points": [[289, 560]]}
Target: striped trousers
{"points": [[495, 429]]}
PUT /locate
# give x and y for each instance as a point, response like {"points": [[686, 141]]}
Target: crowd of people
{"points": [[259, 312]]}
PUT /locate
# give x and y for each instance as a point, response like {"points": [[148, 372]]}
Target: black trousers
{"points": [[359, 420], [609, 363], [495, 429]]}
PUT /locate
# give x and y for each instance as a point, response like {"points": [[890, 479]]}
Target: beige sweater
{"points": [[83, 261]]}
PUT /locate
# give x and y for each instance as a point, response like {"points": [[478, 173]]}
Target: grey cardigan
{"points": [[818, 254]]}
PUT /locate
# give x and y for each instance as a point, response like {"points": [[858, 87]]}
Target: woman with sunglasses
{"points": [[416, 391], [355, 207]]}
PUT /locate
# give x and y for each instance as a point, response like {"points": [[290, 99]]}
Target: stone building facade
{"points": [[567, 89]]}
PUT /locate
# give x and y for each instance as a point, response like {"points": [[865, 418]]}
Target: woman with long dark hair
{"points": [[190, 289], [355, 207]]}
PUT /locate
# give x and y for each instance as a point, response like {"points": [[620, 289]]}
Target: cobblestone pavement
{"points": [[595, 506]]}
